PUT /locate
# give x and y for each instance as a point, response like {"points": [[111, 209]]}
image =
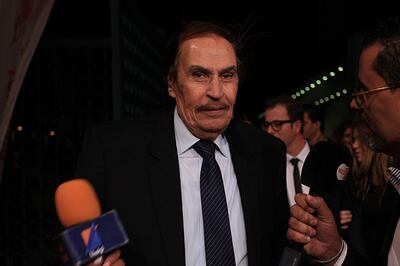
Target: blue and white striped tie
{"points": [[217, 232]]}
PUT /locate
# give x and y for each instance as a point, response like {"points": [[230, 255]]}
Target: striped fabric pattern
{"points": [[217, 232]]}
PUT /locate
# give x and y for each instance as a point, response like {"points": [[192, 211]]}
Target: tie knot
{"points": [[205, 148], [294, 161]]}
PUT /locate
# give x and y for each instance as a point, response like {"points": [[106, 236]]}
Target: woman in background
{"points": [[369, 179]]}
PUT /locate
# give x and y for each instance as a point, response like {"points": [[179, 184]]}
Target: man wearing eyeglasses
{"points": [[283, 118], [378, 102], [313, 124]]}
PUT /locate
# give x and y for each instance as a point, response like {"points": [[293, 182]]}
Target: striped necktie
{"points": [[217, 232]]}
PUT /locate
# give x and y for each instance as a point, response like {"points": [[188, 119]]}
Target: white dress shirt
{"points": [[291, 191], [189, 168]]}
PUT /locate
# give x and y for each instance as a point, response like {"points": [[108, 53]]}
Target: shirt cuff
{"points": [[342, 256]]}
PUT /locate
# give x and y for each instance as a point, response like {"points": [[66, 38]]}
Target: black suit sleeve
{"points": [[91, 165], [353, 258], [275, 184]]}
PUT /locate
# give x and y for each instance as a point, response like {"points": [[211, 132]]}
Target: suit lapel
{"points": [[163, 169], [163, 166], [248, 183]]}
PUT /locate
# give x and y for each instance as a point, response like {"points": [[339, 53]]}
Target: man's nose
{"points": [[354, 105], [215, 89]]}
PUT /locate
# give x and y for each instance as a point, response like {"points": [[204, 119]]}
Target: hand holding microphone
{"points": [[312, 224], [89, 235]]}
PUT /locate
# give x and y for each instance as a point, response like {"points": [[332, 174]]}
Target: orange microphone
{"points": [[76, 202], [89, 235]]}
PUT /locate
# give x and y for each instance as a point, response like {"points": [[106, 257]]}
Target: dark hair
{"points": [[340, 130], [315, 114], [371, 173], [295, 109], [387, 63], [194, 29]]}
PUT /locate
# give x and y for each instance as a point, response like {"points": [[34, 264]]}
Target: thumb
{"points": [[321, 208]]}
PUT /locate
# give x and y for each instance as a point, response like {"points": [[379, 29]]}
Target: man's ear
{"points": [[171, 89], [297, 125]]}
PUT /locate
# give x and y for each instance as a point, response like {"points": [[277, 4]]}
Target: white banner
{"points": [[21, 25]]}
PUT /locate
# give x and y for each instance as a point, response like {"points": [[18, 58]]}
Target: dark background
{"points": [[83, 74], [289, 42]]}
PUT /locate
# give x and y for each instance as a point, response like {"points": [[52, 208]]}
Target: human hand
{"points": [[112, 259], [345, 219], [312, 224]]}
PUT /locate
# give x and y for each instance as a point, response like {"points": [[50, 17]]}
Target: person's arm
{"points": [[91, 166]]}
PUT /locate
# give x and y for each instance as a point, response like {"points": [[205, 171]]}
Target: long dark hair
{"points": [[371, 172]]}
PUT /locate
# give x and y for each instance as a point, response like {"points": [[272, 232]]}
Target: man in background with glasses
{"points": [[283, 118], [378, 102]]}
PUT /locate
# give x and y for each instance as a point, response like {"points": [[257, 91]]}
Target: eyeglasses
{"points": [[276, 125], [360, 94]]}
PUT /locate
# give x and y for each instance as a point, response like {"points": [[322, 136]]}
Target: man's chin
{"points": [[375, 143], [391, 149], [214, 123], [377, 146]]}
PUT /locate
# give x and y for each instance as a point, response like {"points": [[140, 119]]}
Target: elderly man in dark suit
{"points": [[179, 204], [378, 102]]}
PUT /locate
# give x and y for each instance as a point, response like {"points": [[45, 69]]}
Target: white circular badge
{"points": [[342, 171]]}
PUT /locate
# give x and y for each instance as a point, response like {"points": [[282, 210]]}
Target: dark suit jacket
{"points": [[385, 232], [134, 168], [320, 173]]}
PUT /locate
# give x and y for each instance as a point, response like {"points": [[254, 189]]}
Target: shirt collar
{"points": [[394, 177], [302, 154], [185, 139]]}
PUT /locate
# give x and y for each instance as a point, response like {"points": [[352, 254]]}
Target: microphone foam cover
{"points": [[76, 202]]}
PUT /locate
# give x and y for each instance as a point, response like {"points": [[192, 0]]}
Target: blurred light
{"points": [[298, 94], [20, 128], [340, 69], [307, 88], [293, 96], [52, 133], [321, 100], [338, 94], [312, 85], [318, 82], [316, 102], [302, 92], [325, 78], [332, 96], [344, 91], [332, 74], [326, 99]]}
